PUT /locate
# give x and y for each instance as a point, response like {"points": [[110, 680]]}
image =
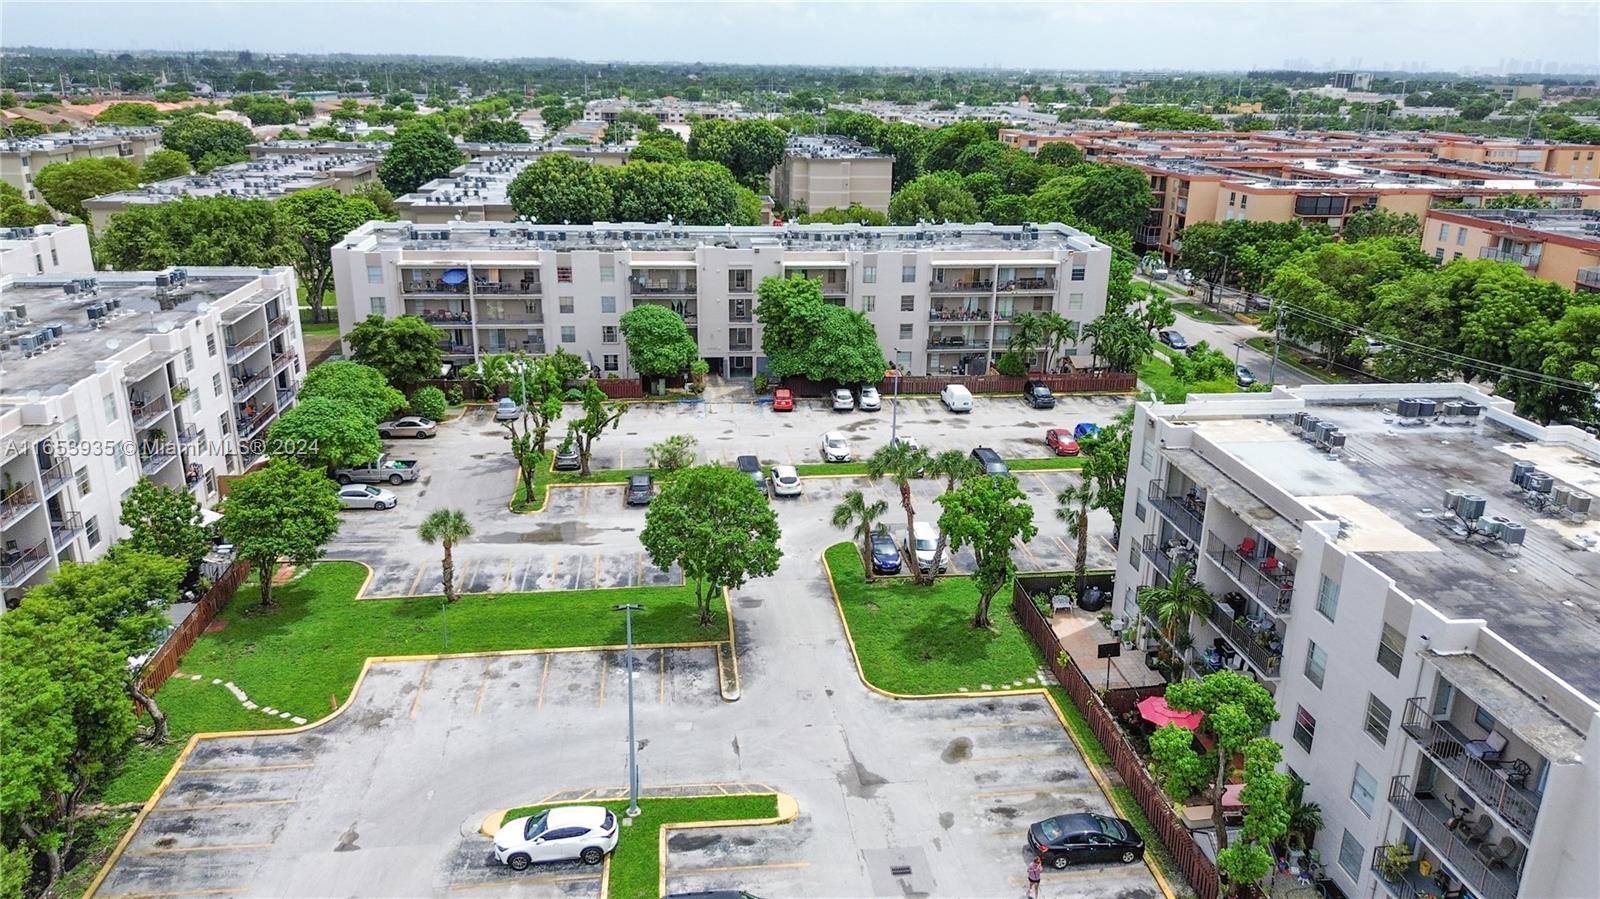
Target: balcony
{"points": [[239, 351], [1040, 283], [1164, 556], [17, 565], [452, 348], [1149, 236], [1527, 260], [963, 316], [1257, 640], [530, 287], [664, 287], [64, 528], [740, 346], [1491, 784], [684, 310], [1273, 590], [148, 412], [285, 398], [1185, 512], [277, 325], [1428, 816], [249, 425], [741, 317], [1588, 278], [187, 435], [155, 461], [957, 343], [444, 316], [420, 284], [961, 284], [56, 476], [20, 501], [1412, 885], [283, 360]]}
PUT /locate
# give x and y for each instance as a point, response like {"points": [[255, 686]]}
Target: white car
{"points": [[507, 409], [843, 401], [366, 496], [410, 426], [906, 441], [922, 544], [835, 447], [563, 833], [869, 401], [785, 481]]}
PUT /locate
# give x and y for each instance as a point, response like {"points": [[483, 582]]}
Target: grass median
{"points": [[1202, 314], [1299, 362], [636, 863], [1156, 373], [309, 648]]}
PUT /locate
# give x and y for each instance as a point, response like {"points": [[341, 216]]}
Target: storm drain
{"points": [[901, 872]]}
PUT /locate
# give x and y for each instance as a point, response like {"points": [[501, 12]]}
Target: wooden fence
{"points": [[1080, 382], [1192, 862], [615, 388], [162, 665]]}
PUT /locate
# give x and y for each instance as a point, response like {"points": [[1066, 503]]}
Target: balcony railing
{"points": [[1526, 260], [738, 347], [1488, 784], [156, 461], [967, 316], [445, 316], [17, 566], [249, 425], [1589, 277], [1484, 880], [187, 435], [1266, 659], [19, 502], [279, 323], [638, 287], [1148, 236], [508, 288], [283, 360], [520, 315], [56, 476], [1159, 555], [423, 287], [1015, 285], [1185, 512], [1271, 590], [451, 348], [63, 529], [241, 349], [146, 413], [741, 317], [979, 285], [958, 343]]}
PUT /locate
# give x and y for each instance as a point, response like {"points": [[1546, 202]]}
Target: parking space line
{"points": [[1051, 789], [1042, 482], [416, 581], [422, 683], [250, 769], [768, 866], [511, 575], [223, 891], [505, 884], [602, 703], [220, 806], [483, 687], [1065, 753], [464, 576], [663, 656], [544, 679], [1026, 551], [638, 569], [225, 847], [1065, 874], [987, 724], [619, 458], [596, 581], [1067, 549]]}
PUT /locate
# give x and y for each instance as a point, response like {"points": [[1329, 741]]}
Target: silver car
{"points": [[507, 410], [410, 426], [869, 401], [843, 401], [366, 496]]}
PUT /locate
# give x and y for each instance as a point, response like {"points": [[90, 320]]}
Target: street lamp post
{"points": [[894, 404], [627, 609]]}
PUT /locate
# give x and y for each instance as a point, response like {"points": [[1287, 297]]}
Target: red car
{"points": [[1060, 441], [783, 400]]}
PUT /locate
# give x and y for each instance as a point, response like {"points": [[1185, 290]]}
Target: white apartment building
{"points": [[820, 172], [941, 296], [1412, 570], [108, 377], [22, 158], [45, 250]]}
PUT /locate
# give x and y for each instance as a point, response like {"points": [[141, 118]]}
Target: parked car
{"points": [[1253, 303], [1243, 376], [868, 399], [783, 400], [1172, 339], [1060, 442], [410, 426], [751, 466], [1085, 429], [922, 543], [991, 461], [1075, 839], [906, 441], [785, 481], [843, 400], [835, 447], [507, 409], [1038, 394], [885, 554], [165, 631], [1374, 346], [567, 458], [563, 833], [366, 496], [1160, 273], [383, 468], [956, 398], [641, 489]]}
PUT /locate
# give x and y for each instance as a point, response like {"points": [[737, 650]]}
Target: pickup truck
{"points": [[383, 468], [1038, 395]]}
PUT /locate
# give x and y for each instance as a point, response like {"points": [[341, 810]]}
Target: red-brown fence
{"points": [[615, 388], [1081, 382], [622, 388], [162, 665], [1192, 862]]}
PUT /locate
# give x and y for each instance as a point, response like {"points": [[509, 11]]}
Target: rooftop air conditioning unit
{"points": [[1471, 506], [1578, 502], [1539, 482], [1520, 471]]}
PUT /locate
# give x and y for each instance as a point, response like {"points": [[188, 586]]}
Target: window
{"points": [[82, 477], [110, 402], [56, 259], [1363, 790], [188, 358], [74, 433], [92, 529], [740, 338], [216, 384], [609, 362], [378, 305], [1146, 454], [905, 332], [1319, 206], [1305, 728], [564, 274], [739, 280], [1244, 200], [120, 460], [1350, 855], [908, 274], [569, 334], [1444, 232], [211, 344], [608, 333], [1328, 597], [1133, 555], [375, 274], [1454, 256], [608, 273], [608, 304], [1232, 196], [38, 264], [1391, 647], [1378, 716], [222, 424], [1316, 663], [869, 303], [1483, 719], [1074, 302], [211, 481], [566, 305], [1138, 503], [908, 303], [1438, 254], [869, 274], [1079, 272], [1461, 237]]}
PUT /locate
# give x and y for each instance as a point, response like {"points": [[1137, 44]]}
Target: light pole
{"points": [[894, 404], [627, 609]]}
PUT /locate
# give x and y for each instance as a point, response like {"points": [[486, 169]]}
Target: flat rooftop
{"points": [[830, 146], [1578, 224], [483, 181], [1387, 489], [82, 345], [85, 137], [268, 177]]}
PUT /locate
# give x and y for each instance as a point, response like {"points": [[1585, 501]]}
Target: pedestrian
{"points": [[1035, 868]]}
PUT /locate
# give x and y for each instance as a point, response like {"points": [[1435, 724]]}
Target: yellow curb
{"points": [[733, 656], [788, 809]]}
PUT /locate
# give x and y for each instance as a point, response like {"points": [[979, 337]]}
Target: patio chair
{"points": [[1498, 853], [1247, 546], [1474, 830], [1487, 749]]}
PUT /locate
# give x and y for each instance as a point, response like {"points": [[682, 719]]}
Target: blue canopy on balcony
{"points": [[454, 276]]}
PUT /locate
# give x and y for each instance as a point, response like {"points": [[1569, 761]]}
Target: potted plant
{"points": [[1395, 862], [179, 394]]}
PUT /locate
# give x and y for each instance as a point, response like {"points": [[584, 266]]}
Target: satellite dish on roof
{"points": [[203, 308], [34, 396], [163, 327], [113, 343]]}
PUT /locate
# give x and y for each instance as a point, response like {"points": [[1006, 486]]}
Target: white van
{"points": [[956, 398], [921, 544]]}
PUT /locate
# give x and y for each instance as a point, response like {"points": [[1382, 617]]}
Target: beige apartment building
{"points": [[826, 172], [45, 250], [22, 158], [941, 297], [1557, 245]]}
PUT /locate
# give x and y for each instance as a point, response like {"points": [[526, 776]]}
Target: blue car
{"points": [[1085, 429], [885, 553]]}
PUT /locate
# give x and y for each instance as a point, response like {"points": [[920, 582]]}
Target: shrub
{"points": [[457, 395], [573, 395], [759, 384], [429, 402], [673, 453], [1011, 365]]}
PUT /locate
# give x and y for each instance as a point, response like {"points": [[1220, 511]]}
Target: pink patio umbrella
{"points": [[1155, 710]]}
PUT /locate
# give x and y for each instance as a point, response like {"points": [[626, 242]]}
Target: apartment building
{"points": [[1557, 245], [109, 377], [668, 111], [45, 250], [22, 158], [477, 190], [265, 178], [820, 172], [1410, 570], [941, 297]]}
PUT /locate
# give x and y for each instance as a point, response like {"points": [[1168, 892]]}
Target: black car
{"points": [[1038, 395], [641, 489], [885, 553], [751, 466], [1173, 339], [567, 458], [1076, 839], [991, 461]]}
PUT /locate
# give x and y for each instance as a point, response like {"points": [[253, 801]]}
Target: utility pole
{"points": [[627, 609], [1277, 341], [894, 404]]}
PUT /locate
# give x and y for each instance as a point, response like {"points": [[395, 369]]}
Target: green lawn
{"points": [[1293, 359], [636, 863], [1201, 313], [97, 836], [314, 642], [544, 475], [329, 327], [916, 640], [1157, 374]]}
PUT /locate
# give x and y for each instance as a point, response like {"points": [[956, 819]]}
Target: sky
{"points": [[1493, 37]]}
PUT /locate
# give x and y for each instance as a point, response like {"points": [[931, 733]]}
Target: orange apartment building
{"points": [[1557, 245]]}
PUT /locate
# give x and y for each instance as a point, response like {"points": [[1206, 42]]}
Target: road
{"points": [[1230, 338]]}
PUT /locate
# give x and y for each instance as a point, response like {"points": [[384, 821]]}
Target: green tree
{"points": [[379, 196], [694, 193], [198, 136], [671, 454], [162, 165], [129, 114], [750, 148], [1173, 605], [942, 149], [1266, 815], [558, 115], [860, 517], [1182, 771], [900, 463], [360, 385], [1073, 504], [1028, 332], [660, 146], [936, 197], [430, 403], [1105, 455], [659, 345], [804, 335], [856, 214], [1059, 153], [1120, 339], [17, 212], [405, 349], [193, 231], [954, 466], [597, 416], [988, 514], [65, 185], [1237, 710], [1157, 312], [281, 512], [419, 153], [559, 188], [446, 527], [1321, 291], [1107, 197], [313, 221], [492, 131], [325, 433], [165, 522], [1365, 223], [713, 522], [1059, 333], [216, 159]]}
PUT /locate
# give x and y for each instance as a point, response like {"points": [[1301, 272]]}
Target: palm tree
{"points": [[952, 465], [1305, 818], [1028, 333], [447, 527], [1072, 508], [1173, 605], [1058, 332], [864, 515], [900, 463]]}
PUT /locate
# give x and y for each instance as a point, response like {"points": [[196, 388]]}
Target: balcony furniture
{"points": [[1269, 564], [1489, 749], [1515, 772], [1059, 602], [1474, 830], [1247, 546], [1498, 853]]}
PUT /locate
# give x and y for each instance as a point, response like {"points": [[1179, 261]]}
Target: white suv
{"points": [[835, 447], [563, 833], [785, 481]]}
